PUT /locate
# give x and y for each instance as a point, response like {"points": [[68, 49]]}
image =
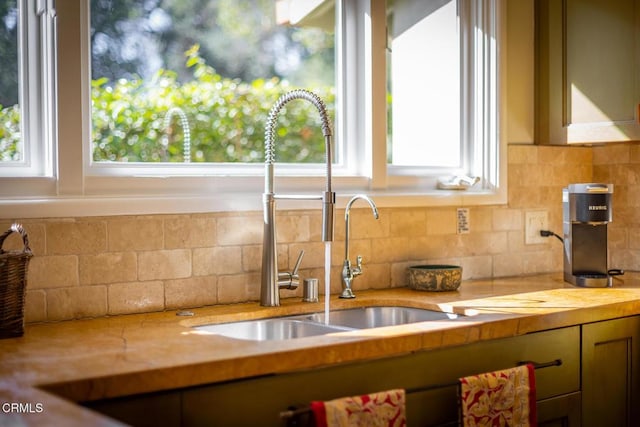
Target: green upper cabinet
{"points": [[587, 71]]}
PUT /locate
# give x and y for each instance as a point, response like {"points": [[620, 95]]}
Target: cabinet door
{"points": [[562, 411], [611, 373], [587, 54]]}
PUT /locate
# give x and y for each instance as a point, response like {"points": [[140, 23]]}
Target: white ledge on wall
{"points": [[82, 206]]}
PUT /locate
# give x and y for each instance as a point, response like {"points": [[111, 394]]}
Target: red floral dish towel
{"points": [[500, 398], [383, 409]]}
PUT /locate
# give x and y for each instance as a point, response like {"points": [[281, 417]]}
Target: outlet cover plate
{"points": [[534, 222]]}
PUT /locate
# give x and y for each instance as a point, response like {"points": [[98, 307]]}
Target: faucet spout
{"points": [[269, 286], [349, 273]]}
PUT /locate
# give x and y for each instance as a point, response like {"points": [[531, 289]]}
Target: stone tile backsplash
{"points": [[91, 267]]}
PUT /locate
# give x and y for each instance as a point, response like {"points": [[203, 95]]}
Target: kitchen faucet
{"points": [[272, 280], [349, 273]]}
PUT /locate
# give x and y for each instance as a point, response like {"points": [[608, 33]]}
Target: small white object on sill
{"points": [[457, 183]]}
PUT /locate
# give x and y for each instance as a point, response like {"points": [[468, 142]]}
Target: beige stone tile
{"points": [[537, 262], [135, 234], [189, 232], [292, 228], [361, 247], [521, 153], [52, 272], [374, 276], [191, 292], [238, 288], [363, 225], [431, 247], [476, 267], [408, 222], [252, 258], [76, 303], [315, 225], [634, 152], [35, 306], [81, 237], [626, 259], [634, 238], [611, 153], [563, 155], [313, 254], [482, 243], [165, 264], [398, 272], [109, 267], [508, 219], [619, 237], [243, 229], [441, 221], [135, 297], [480, 219], [219, 260], [510, 264], [392, 249]]}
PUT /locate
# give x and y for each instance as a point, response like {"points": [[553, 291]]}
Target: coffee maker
{"points": [[586, 211]]}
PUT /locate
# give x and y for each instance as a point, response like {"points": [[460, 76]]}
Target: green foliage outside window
{"points": [[226, 119], [10, 133]]}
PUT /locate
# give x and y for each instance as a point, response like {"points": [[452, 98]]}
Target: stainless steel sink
{"points": [[375, 317], [283, 328], [307, 325]]}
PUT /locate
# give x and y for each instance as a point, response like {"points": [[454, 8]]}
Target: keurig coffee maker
{"points": [[586, 211]]}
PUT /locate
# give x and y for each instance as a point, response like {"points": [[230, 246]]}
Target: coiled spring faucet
{"points": [[272, 280]]}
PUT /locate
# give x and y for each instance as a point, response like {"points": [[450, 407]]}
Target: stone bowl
{"points": [[434, 278]]}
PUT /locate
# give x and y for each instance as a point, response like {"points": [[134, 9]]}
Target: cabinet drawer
{"points": [[443, 367], [541, 347]]}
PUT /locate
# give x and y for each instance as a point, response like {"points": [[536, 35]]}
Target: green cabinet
{"points": [[587, 71], [611, 373], [430, 378]]}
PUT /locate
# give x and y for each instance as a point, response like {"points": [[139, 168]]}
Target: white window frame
{"points": [[36, 93], [82, 189]]}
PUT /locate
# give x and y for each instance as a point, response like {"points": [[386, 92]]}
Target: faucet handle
{"points": [[291, 280], [358, 268], [294, 272]]}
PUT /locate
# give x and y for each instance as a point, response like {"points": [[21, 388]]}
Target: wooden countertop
{"points": [[56, 364]]}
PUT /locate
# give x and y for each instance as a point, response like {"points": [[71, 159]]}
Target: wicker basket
{"points": [[13, 284]]}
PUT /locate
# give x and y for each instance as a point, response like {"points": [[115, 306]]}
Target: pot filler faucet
{"points": [[272, 280], [349, 273]]}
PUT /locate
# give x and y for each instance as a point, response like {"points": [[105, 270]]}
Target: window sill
{"points": [[225, 201]]}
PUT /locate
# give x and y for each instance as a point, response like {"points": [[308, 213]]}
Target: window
{"points": [[161, 111], [443, 86], [27, 76], [193, 81]]}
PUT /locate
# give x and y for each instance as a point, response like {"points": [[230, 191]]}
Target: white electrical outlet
{"points": [[534, 221]]}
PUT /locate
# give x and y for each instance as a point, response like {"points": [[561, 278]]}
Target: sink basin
{"points": [[375, 317], [269, 329], [308, 325]]}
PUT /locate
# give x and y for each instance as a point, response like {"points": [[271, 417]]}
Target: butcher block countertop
{"points": [[54, 365]]}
